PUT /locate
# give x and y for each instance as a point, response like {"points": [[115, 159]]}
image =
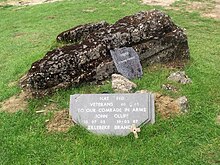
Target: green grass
{"points": [[27, 33]]}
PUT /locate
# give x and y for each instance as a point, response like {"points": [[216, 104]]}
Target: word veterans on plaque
{"points": [[127, 62], [112, 114]]}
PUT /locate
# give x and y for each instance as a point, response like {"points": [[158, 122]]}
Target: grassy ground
{"points": [[27, 33]]}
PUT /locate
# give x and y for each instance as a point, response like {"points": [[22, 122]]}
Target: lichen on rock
{"points": [[120, 84], [86, 58]]}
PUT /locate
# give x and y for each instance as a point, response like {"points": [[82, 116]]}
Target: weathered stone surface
{"points": [[183, 103], [120, 84], [79, 32], [112, 114], [180, 77], [152, 34]]}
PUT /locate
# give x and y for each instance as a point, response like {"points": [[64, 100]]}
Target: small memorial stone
{"points": [[127, 62], [112, 114]]}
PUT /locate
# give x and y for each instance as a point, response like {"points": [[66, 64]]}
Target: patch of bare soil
{"points": [[166, 106], [51, 107], [206, 8], [15, 103], [176, 64], [26, 2], [215, 13], [60, 122], [196, 6], [192, 6], [159, 2]]}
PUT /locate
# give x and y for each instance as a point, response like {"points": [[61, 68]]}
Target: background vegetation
{"points": [[27, 33]]}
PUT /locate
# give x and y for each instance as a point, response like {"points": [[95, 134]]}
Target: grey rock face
{"points": [[180, 77], [120, 84], [183, 103], [79, 32], [152, 34]]}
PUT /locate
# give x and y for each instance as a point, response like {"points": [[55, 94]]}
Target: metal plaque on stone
{"points": [[127, 62], [112, 114]]}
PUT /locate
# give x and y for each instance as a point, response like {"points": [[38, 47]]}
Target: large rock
{"points": [[152, 34]]}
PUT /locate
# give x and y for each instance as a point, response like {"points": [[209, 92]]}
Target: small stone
{"points": [[156, 94], [142, 91], [182, 103], [169, 87], [121, 84], [180, 77]]}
